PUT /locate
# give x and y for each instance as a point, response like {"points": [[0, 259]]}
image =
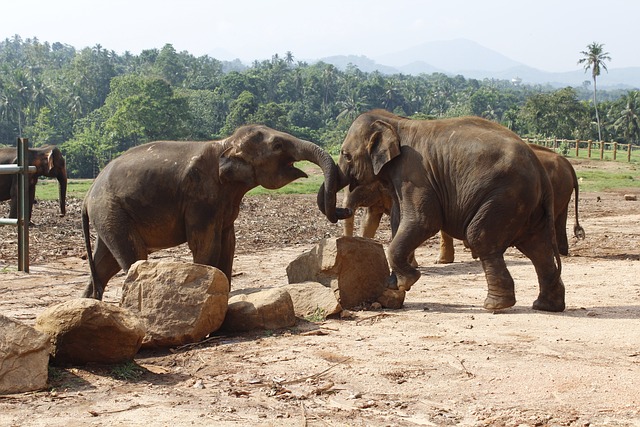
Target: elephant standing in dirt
{"points": [[561, 174], [48, 161], [165, 193], [473, 179]]}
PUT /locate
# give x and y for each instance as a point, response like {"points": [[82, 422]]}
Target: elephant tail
{"points": [[87, 244], [578, 231]]}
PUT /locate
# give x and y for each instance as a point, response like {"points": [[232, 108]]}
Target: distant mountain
{"points": [[452, 55], [362, 62], [472, 60]]}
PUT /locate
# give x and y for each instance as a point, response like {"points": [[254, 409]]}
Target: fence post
{"points": [[629, 153], [601, 150], [577, 147], [23, 204], [615, 150], [589, 143]]}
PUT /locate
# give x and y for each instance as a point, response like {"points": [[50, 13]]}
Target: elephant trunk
{"points": [[62, 184], [313, 153], [327, 199]]}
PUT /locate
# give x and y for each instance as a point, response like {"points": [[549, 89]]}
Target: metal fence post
{"points": [[23, 204]]}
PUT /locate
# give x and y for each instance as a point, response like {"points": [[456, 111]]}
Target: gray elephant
{"points": [[48, 161], [165, 193], [473, 179], [564, 181]]}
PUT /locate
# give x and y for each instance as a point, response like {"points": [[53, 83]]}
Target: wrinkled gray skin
{"points": [[48, 161], [165, 193], [472, 178], [562, 176]]}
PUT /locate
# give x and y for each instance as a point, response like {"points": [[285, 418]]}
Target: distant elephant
{"points": [[561, 174], [473, 179], [161, 194], [48, 161]]}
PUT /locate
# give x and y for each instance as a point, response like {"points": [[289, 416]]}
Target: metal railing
{"points": [[23, 201]]}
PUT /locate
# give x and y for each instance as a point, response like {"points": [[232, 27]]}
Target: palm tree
{"points": [[628, 120], [593, 60]]}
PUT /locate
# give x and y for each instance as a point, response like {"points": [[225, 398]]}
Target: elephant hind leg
{"points": [[106, 267], [561, 232], [447, 253], [539, 249], [501, 292]]}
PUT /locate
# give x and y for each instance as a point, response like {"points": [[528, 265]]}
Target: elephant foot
{"points": [[553, 306], [493, 302], [402, 283], [444, 260], [551, 300]]}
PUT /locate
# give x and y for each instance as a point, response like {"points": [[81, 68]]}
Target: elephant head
{"points": [[361, 163], [49, 162], [257, 155]]}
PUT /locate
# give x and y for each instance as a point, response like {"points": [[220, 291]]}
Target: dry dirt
{"points": [[440, 360]]}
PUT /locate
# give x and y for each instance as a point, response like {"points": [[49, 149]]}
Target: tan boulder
{"points": [[355, 268], [264, 309], [85, 330], [179, 302], [24, 357], [313, 297]]}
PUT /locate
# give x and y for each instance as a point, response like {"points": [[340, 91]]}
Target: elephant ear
{"points": [[384, 144], [233, 168]]}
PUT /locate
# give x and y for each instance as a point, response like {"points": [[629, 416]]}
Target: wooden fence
{"points": [[594, 149]]}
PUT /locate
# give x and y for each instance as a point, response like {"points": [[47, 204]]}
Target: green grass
{"points": [[47, 189], [597, 180]]}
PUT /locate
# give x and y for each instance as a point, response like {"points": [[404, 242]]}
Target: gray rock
{"points": [[179, 302], [24, 357], [265, 309], [355, 268], [85, 330]]}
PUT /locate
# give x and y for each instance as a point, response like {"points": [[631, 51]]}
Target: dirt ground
{"points": [[440, 360]]}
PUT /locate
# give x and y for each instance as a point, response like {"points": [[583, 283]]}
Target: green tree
{"points": [[627, 116], [594, 59], [241, 111]]}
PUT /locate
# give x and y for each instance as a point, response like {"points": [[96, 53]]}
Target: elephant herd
{"points": [[469, 178]]}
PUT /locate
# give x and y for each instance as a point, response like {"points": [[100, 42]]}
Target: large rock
{"points": [[265, 309], [85, 330], [311, 298], [24, 357], [179, 302], [355, 268]]}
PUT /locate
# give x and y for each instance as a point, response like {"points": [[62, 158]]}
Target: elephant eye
{"points": [[346, 156]]}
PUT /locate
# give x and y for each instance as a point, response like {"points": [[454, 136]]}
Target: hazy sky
{"points": [[545, 34]]}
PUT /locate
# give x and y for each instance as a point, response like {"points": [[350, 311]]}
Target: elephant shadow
{"points": [[597, 312]]}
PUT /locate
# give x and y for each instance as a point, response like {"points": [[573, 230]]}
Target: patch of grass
{"points": [[128, 371], [597, 180], [318, 315], [47, 189]]}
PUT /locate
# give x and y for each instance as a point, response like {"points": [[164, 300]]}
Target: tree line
{"points": [[94, 103]]}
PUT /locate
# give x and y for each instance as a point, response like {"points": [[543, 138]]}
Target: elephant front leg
{"points": [[501, 293], [404, 275]]}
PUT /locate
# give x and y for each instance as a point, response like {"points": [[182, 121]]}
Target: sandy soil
{"points": [[440, 360]]}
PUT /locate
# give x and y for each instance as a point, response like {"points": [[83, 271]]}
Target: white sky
{"points": [[545, 34]]}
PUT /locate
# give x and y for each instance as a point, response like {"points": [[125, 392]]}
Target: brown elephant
{"points": [[473, 179], [561, 174], [161, 194], [48, 161]]}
